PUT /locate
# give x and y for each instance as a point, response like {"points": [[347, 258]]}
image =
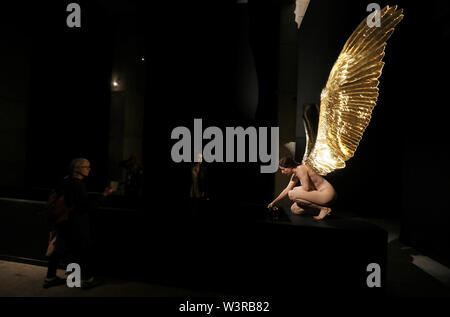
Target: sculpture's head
{"points": [[287, 165]]}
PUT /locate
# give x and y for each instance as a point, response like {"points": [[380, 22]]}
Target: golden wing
{"points": [[351, 93]]}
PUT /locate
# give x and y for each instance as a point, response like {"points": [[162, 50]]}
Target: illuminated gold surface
{"points": [[351, 93]]}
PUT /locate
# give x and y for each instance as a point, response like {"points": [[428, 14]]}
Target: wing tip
{"points": [[395, 9]]}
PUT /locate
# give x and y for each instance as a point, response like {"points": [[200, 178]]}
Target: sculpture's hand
{"points": [[272, 206]]}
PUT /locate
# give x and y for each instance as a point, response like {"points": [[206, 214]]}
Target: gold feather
{"points": [[351, 93]]}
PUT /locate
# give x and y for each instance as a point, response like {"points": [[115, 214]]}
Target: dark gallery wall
{"points": [[192, 72], [193, 65], [287, 88], [14, 97], [127, 97], [424, 64], [57, 100], [68, 114]]}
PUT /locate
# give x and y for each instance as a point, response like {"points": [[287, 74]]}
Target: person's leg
{"points": [[52, 279], [54, 258], [88, 280], [84, 253], [323, 210], [86, 265], [296, 209], [322, 198], [81, 238], [52, 265]]}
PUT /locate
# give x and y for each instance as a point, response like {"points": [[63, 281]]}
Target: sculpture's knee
{"points": [[291, 194]]}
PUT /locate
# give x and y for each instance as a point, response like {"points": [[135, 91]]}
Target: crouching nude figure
{"points": [[315, 191]]}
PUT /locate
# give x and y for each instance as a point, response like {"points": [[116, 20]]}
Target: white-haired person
{"points": [[73, 234]]}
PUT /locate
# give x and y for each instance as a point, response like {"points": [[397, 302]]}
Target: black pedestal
{"points": [[218, 247]]}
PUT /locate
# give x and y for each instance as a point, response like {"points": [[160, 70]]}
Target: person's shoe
{"points": [[90, 283], [53, 281]]}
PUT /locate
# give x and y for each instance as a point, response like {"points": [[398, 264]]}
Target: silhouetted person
{"points": [[73, 235], [198, 191], [199, 179], [134, 176]]}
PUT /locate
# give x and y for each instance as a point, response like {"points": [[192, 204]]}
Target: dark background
{"points": [[55, 101]]}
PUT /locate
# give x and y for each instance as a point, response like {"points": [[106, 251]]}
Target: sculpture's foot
{"points": [[298, 211], [324, 211]]}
